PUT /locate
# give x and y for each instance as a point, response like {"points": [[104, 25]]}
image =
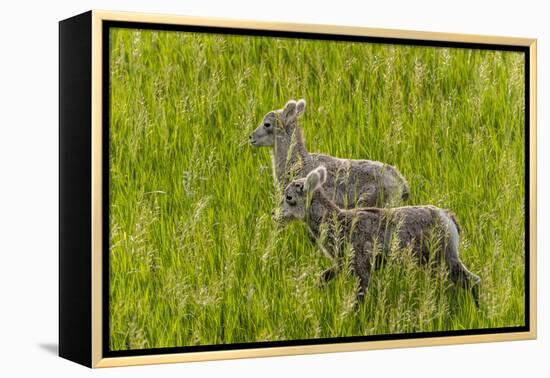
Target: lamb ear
{"points": [[315, 179], [300, 107], [290, 110]]}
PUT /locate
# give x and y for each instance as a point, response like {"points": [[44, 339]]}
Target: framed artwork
{"points": [[235, 189]]}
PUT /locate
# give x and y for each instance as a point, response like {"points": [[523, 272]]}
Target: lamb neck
{"points": [[283, 161], [320, 209]]}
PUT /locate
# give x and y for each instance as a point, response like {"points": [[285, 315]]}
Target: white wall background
{"points": [[28, 185]]}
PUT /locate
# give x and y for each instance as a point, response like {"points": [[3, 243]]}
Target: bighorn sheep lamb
{"points": [[362, 228], [349, 183]]}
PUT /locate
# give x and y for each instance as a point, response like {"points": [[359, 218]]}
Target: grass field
{"points": [[195, 257]]}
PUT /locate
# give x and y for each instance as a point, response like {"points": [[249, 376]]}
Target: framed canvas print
{"points": [[235, 189]]}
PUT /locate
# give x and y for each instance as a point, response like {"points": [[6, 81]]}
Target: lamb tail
{"points": [[455, 221], [406, 192]]}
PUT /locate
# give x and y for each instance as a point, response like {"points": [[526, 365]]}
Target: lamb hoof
{"points": [[359, 300]]}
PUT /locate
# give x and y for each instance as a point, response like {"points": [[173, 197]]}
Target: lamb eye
{"points": [[266, 125]]}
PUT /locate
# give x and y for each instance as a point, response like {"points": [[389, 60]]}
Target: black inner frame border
{"points": [[107, 25]]}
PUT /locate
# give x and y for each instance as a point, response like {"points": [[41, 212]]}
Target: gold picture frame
{"points": [[82, 224]]}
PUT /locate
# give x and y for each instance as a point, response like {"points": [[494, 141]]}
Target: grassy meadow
{"points": [[195, 257]]}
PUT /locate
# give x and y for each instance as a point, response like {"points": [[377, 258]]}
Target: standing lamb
{"points": [[350, 182], [363, 228]]}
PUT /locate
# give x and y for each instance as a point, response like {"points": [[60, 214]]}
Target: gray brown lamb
{"points": [[362, 228], [350, 183]]}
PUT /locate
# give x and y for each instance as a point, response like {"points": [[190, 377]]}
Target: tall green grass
{"points": [[195, 257]]}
